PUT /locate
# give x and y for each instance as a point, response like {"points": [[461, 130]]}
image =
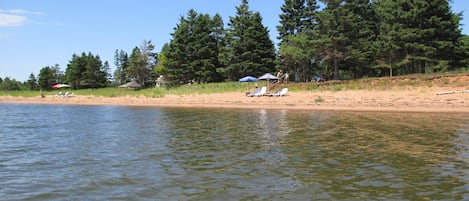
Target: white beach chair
{"points": [[262, 92], [283, 92]]}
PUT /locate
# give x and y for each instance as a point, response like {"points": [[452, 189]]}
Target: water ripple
{"points": [[139, 153]]}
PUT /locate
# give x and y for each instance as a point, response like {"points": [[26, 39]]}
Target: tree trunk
{"points": [[336, 68]]}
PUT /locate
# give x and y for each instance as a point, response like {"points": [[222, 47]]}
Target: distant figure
{"points": [[286, 77], [256, 90], [279, 75], [160, 81], [42, 95]]}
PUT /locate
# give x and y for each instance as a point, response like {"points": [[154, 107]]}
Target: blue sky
{"points": [[39, 33]]}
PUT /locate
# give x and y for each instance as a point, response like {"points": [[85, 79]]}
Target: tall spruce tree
{"points": [[333, 23], [142, 62], [389, 46], [194, 51], [417, 36], [32, 82], [137, 69], [251, 50], [121, 61], [86, 71], [297, 28], [360, 31], [46, 78], [205, 54]]}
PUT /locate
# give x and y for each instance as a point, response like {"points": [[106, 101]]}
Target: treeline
{"points": [[370, 38], [202, 50], [336, 38]]}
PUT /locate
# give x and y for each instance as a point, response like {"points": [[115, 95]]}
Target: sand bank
{"points": [[409, 100]]}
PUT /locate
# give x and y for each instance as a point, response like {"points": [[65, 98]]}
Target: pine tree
{"points": [[195, 49], [32, 82], [333, 22], [298, 25], [251, 50], [121, 61], [137, 69], [389, 46], [417, 36], [75, 68], [46, 78], [361, 33], [86, 71]]}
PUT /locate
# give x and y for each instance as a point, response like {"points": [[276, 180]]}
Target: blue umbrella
{"points": [[248, 79]]}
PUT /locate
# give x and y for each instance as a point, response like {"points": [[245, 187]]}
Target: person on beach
{"points": [[285, 78], [279, 75], [256, 90]]}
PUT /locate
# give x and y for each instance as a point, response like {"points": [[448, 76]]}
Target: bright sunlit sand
{"points": [[410, 100]]}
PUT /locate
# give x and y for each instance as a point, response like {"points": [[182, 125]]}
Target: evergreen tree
{"points": [[46, 78], [121, 61], [389, 46], [290, 19], [75, 68], [141, 64], [150, 58], [417, 36], [194, 51], [333, 23], [160, 68], [205, 52], [32, 82], [179, 54], [106, 74], [9, 84], [86, 71], [462, 53], [298, 26], [251, 50], [361, 33], [137, 69]]}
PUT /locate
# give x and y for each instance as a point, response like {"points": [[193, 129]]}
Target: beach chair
{"points": [[68, 95], [282, 92], [262, 92]]}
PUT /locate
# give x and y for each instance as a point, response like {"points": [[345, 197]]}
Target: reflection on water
{"points": [[134, 153]]}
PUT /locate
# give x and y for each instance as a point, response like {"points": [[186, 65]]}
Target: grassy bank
{"points": [[460, 80]]}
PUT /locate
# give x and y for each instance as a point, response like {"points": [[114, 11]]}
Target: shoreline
{"points": [[409, 100]]}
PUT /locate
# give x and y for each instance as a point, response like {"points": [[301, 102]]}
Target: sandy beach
{"points": [[403, 100]]}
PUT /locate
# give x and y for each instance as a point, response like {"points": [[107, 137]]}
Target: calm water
{"points": [[140, 153]]}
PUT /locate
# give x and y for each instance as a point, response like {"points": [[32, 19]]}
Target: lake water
{"points": [[58, 152]]}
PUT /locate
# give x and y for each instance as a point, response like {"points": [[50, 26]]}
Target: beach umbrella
{"points": [[248, 79], [268, 77], [58, 86]]}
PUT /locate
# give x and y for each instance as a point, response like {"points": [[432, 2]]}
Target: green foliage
{"points": [[142, 62], [9, 84], [193, 54], [319, 99], [251, 50], [32, 82], [296, 33], [342, 39], [47, 78], [86, 71], [121, 61], [417, 37]]}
